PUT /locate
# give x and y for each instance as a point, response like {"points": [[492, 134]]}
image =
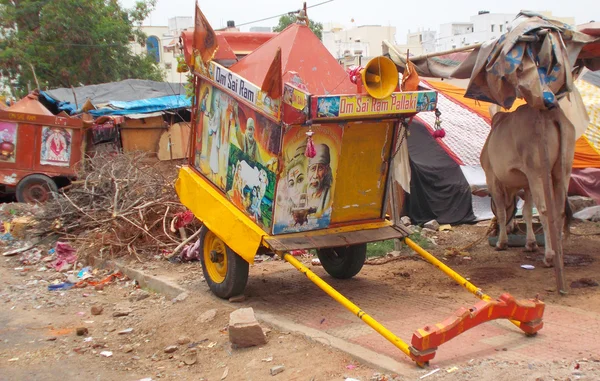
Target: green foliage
{"points": [[286, 20], [72, 42], [379, 249]]}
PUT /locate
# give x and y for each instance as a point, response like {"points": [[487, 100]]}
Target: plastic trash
{"points": [[528, 267], [60, 286]]}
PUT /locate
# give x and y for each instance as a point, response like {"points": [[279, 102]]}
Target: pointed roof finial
{"points": [[302, 16]]}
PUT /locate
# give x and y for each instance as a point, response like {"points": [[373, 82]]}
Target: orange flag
{"points": [[273, 82], [205, 38], [410, 78]]}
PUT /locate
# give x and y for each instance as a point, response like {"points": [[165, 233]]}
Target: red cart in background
{"points": [[39, 151]]}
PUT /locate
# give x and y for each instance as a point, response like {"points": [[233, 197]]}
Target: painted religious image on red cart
{"points": [[8, 142], [56, 146], [306, 185]]}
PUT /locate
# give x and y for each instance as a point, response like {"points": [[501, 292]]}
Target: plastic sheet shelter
{"points": [[34, 141]]}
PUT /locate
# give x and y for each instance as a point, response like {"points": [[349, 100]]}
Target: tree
{"points": [[63, 43], [286, 20]]}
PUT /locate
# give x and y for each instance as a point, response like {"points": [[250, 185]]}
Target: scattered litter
{"points": [[85, 273], [430, 373], [528, 267], [13, 359], [65, 255], [351, 367], [225, 373], [60, 286], [106, 353], [315, 262], [31, 257], [211, 345], [445, 227], [126, 331], [16, 251], [88, 339], [268, 359], [277, 369], [453, 369]]}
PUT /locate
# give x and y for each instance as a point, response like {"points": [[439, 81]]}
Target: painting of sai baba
{"points": [[56, 146], [236, 149], [306, 184], [8, 145]]}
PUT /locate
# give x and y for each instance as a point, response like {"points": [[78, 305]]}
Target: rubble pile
{"points": [[122, 204]]}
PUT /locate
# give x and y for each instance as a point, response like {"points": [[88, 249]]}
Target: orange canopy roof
{"points": [[301, 52], [30, 105], [243, 43]]}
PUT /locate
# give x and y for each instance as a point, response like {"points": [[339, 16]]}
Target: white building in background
{"points": [[482, 27], [357, 44], [419, 42], [162, 45], [261, 29]]}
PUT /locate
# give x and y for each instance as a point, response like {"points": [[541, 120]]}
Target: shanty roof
{"points": [[303, 53], [30, 105], [123, 91]]}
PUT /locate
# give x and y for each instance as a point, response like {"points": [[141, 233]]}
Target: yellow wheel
{"points": [[226, 273]]}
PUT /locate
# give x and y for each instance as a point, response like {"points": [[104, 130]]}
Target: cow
{"points": [[514, 161]]}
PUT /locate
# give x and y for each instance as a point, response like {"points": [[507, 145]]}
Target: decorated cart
{"points": [[39, 151], [290, 152]]}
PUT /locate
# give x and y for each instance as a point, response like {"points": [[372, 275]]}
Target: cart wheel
{"points": [[225, 272], [343, 262], [35, 188]]}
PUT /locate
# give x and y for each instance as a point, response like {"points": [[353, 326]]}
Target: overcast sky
{"points": [[402, 14]]}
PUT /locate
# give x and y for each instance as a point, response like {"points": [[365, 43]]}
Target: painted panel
{"points": [[344, 106], [56, 146], [362, 172], [306, 185], [244, 89], [8, 145], [236, 148]]}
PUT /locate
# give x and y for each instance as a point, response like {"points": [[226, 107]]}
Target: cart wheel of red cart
{"points": [[225, 272], [343, 262], [35, 189]]}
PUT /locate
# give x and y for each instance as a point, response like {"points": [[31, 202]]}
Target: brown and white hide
{"points": [[514, 160]]}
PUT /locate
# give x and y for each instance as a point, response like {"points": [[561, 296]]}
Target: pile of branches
{"points": [[124, 203]]}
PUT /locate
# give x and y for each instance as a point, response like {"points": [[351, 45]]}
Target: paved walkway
{"points": [[568, 334]]}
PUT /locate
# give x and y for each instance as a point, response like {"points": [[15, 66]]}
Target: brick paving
{"points": [[569, 333]]}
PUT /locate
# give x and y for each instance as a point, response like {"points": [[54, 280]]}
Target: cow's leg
{"points": [[498, 194], [531, 243], [537, 192]]}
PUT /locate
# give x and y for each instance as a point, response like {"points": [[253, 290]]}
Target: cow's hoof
{"points": [[531, 247], [548, 262], [500, 246]]}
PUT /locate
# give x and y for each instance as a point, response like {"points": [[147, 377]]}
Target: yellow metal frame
{"points": [[370, 321], [234, 227]]}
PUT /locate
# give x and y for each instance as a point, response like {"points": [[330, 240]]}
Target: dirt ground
{"points": [[38, 339]]}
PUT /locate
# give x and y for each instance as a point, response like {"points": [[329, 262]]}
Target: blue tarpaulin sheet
{"points": [[144, 106]]}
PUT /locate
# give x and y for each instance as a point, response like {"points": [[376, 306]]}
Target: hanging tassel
{"points": [[310, 151], [438, 131]]}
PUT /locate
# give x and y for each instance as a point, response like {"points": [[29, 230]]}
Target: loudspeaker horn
{"points": [[380, 77]]}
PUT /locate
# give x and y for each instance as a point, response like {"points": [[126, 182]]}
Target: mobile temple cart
{"points": [[38, 151], [304, 162]]}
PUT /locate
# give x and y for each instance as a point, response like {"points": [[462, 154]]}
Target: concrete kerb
{"points": [[172, 290]]}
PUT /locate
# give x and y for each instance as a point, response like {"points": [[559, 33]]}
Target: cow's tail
{"points": [[565, 168]]}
